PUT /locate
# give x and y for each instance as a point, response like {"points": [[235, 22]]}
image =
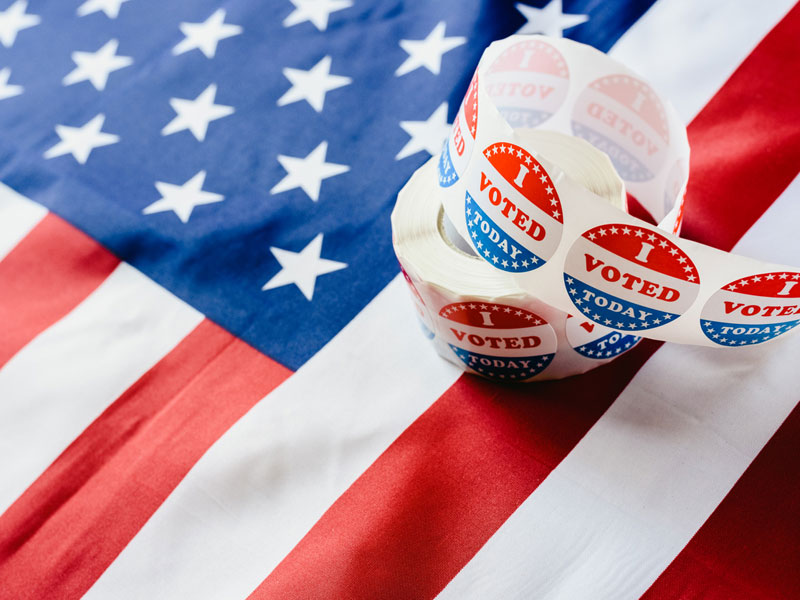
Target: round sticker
{"points": [[513, 211], [597, 342], [528, 83], [623, 117], [459, 144], [752, 310], [629, 278], [498, 341]]}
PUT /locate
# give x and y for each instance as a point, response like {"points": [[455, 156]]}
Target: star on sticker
{"points": [[195, 115], [425, 135], [307, 173], [80, 141], [95, 67], [8, 90], [110, 7], [428, 52], [549, 20], [302, 268], [206, 35], [316, 11], [182, 199], [13, 20], [312, 85]]}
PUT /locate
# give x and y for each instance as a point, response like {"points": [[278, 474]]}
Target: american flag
{"points": [[211, 383]]}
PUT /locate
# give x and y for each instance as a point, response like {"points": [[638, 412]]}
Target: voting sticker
{"points": [[497, 340], [629, 278], [622, 116], [528, 83], [753, 309], [512, 209], [595, 341]]}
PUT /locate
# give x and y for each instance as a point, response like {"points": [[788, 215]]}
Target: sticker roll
{"points": [[478, 317], [531, 219]]}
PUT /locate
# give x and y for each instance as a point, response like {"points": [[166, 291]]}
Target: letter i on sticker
{"points": [[629, 278], [498, 341], [753, 309]]}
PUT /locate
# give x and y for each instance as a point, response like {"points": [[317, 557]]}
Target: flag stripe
{"points": [[632, 493], [751, 540], [111, 339], [741, 155], [441, 482], [260, 488], [751, 543], [47, 274], [18, 216], [428, 503], [714, 36], [62, 533]]}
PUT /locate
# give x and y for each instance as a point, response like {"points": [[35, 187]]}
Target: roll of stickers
{"points": [[477, 316], [515, 241], [527, 217]]}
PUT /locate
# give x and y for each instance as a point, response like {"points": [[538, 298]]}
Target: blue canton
{"points": [[246, 155]]}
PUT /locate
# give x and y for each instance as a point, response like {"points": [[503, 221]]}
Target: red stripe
{"points": [[637, 209], [750, 546], [44, 277], [64, 531], [423, 509], [428, 503], [746, 141]]}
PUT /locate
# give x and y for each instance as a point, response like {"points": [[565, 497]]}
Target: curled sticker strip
{"points": [[477, 316], [525, 215]]}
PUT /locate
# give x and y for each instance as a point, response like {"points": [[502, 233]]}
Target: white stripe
{"points": [[53, 388], [263, 485], [619, 508], [252, 497], [687, 49], [18, 216]]}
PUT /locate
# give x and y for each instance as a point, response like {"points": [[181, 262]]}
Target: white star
{"points": [[426, 135], [428, 52], [182, 199], [302, 268], [206, 35], [312, 85], [8, 90], [97, 66], [110, 7], [195, 115], [307, 173], [13, 20], [316, 11], [549, 20], [80, 141]]}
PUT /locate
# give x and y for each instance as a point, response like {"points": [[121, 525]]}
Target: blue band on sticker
{"points": [[628, 167], [447, 170], [612, 344], [524, 117], [737, 334], [508, 368], [613, 311], [494, 245]]}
